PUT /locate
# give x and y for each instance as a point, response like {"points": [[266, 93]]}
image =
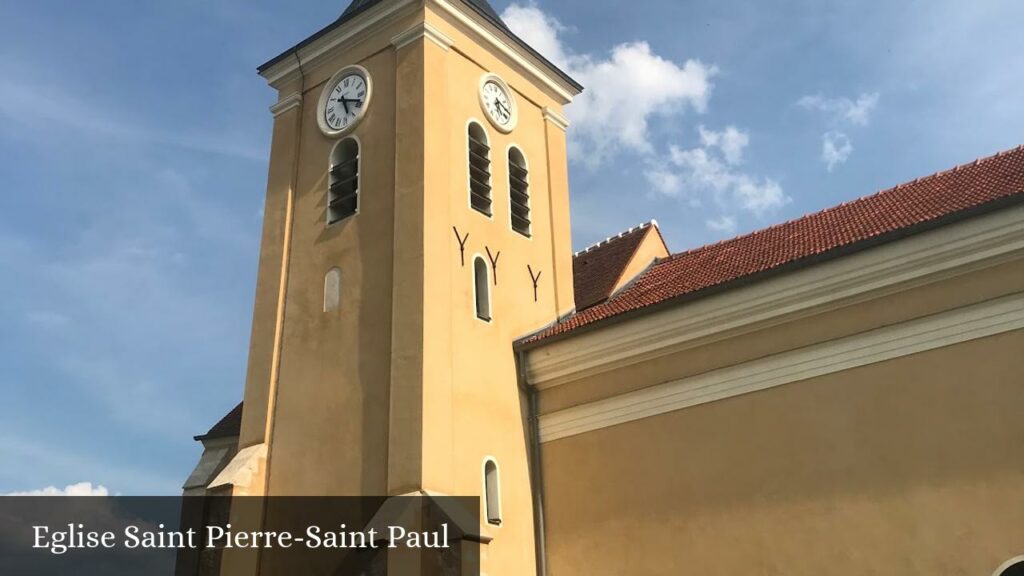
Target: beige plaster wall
{"points": [[330, 424], [911, 466], [651, 248], [403, 388], [473, 410]]}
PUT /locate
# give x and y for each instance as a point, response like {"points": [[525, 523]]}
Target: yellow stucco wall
{"points": [[905, 466], [911, 466], [650, 249], [403, 388], [330, 428]]}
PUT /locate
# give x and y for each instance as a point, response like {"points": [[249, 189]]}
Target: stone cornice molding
{"points": [[945, 329], [532, 68], [293, 100], [422, 30], [561, 122]]}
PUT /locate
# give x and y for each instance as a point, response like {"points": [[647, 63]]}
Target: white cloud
{"points": [[625, 88], [731, 142], [702, 167], [714, 167], [724, 224], [625, 91], [538, 30], [761, 196], [842, 113], [80, 489], [835, 149], [664, 181], [843, 110]]}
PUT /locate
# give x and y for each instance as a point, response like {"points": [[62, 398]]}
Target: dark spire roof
{"points": [[356, 7], [482, 7], [228, 427]]}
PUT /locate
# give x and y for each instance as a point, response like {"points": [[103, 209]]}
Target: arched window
{"points": [[479, 169], [492, 492], [519, 191], [343, 190], [1013, 567], [332, 290], [482, 289]]}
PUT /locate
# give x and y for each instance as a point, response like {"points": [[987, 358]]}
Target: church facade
{"points": [[836, 394]]}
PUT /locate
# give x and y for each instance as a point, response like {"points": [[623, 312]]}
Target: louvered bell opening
{"points": [[343, 195], [519, 190], [479, 175]]}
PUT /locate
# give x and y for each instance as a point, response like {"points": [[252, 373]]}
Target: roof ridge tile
{"points": [[593, 247]]}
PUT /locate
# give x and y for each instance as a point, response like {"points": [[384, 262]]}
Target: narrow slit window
{"points": [[479, 170], [519, 191], [482, 289], [343, 188], [492, 492], [332, 290]]}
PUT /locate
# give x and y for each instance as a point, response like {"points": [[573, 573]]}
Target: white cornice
{"points": [[950, 251], [293, 100], [242, 470], [945, 329], [555, 118], [422, 30], [537, 71], [343, 37]]}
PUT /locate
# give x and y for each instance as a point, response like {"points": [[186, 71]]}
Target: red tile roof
{"points": [[887, 215], [596, 270]]}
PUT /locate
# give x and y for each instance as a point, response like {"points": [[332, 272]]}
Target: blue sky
{"points": [[134, 139]]}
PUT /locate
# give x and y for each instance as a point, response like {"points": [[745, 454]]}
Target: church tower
{"points": [[416, 225]]}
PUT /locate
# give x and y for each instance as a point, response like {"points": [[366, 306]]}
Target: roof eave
{"points": [[575, 87], [525, 344], [501, 26], [291, 51]]}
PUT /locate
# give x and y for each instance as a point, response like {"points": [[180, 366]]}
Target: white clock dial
{"points": [[344, 101], [498, 104], [497, 101]]}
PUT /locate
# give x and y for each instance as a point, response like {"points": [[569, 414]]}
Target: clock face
{"points": [[344, 101], [498, 103]]}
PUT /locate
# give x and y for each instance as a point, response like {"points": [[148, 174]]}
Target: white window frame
{"points": [[529, 188], [490, 293], [469, 170], [497, 489], [359, 179], [327, 279], [1007, 565]]}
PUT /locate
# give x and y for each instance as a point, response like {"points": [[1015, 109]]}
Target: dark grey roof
{"points": [[357, 6], [485, 8], [482, 7], [229, 426]]}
